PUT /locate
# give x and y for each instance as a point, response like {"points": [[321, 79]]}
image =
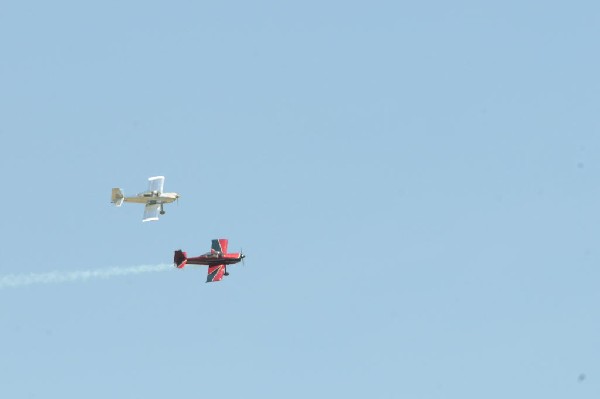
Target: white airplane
{"points": [[154, 198]]}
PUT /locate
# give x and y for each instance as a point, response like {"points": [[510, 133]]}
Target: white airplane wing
{"points": [[151, 212], [156, 183]]}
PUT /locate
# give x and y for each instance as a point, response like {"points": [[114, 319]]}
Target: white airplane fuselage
{"points": [[153, 198]]}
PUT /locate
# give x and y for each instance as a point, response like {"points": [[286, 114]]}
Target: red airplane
{"points": [[216, 260]]}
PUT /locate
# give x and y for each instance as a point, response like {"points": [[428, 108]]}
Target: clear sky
{"points": [[415, 185]]}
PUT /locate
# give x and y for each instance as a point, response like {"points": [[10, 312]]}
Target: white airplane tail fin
{"points": [[117, 196]]}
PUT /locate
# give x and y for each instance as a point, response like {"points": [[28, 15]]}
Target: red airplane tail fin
{"points": [[180, 259]]}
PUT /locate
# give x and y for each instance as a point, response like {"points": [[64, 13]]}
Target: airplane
{"points": [[216, 260], [154, 198]]}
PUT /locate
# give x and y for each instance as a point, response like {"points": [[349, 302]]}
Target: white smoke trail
{"points": [[19, 280]]}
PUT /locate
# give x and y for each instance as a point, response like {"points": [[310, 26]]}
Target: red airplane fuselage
{"points": [[213, 258]]}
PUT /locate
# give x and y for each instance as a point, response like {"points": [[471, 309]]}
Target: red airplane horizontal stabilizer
{"points": [[180, 258]]}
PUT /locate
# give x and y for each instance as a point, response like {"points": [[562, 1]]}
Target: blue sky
{"points": [[415, 187]]}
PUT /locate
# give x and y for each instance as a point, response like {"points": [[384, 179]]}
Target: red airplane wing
{"points": [[215, 273], [220, 245]]}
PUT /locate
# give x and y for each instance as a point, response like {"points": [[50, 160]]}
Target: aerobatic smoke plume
{"points": [[19, 280]]}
